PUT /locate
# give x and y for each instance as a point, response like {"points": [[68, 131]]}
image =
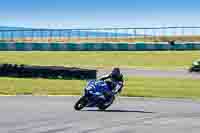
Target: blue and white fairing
{"points": [[97, 87], [94, 91]]}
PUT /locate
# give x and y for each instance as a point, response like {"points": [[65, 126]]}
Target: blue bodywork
{"points": [[94, 92]]}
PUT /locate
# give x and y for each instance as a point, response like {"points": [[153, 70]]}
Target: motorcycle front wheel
{"points": [[81, 103]]}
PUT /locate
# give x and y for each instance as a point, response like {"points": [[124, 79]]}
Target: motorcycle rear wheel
{"points": [[191, 69], [104, 107]]}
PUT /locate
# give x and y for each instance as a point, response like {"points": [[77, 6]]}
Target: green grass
{"points": [[12, 86], [157, 60], [134, 86], [162, 87]]}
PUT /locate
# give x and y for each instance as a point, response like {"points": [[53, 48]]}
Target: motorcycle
{"points": [[195, 66], [94, 96]]}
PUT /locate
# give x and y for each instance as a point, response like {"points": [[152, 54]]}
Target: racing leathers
{"points": [[116, 83]]}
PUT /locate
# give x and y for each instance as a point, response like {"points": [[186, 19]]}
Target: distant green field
{"points": [[156, 60], [134, 86]]}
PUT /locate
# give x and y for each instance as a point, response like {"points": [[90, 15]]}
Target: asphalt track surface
{"points": [[179, 73], [27, 114]]}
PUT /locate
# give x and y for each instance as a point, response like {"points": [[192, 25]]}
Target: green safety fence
{"points": [[96, 46]]}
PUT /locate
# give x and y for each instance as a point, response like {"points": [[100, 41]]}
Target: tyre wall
{"points": [[49, 72]]}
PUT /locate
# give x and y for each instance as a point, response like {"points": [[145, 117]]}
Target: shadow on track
{"points": [[120, 111]]}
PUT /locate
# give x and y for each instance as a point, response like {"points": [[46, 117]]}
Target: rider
{"points": [[196, 63], [115, 82]]}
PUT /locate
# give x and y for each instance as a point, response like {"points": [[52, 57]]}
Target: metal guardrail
{"points": [[157, 34]]}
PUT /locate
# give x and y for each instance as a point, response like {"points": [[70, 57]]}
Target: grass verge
{"points": [[134, 86], [158, 60], [162, 87]]}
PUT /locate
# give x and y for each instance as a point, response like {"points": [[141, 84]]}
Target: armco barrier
{"points": [[97, 46], [50, 72]]}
